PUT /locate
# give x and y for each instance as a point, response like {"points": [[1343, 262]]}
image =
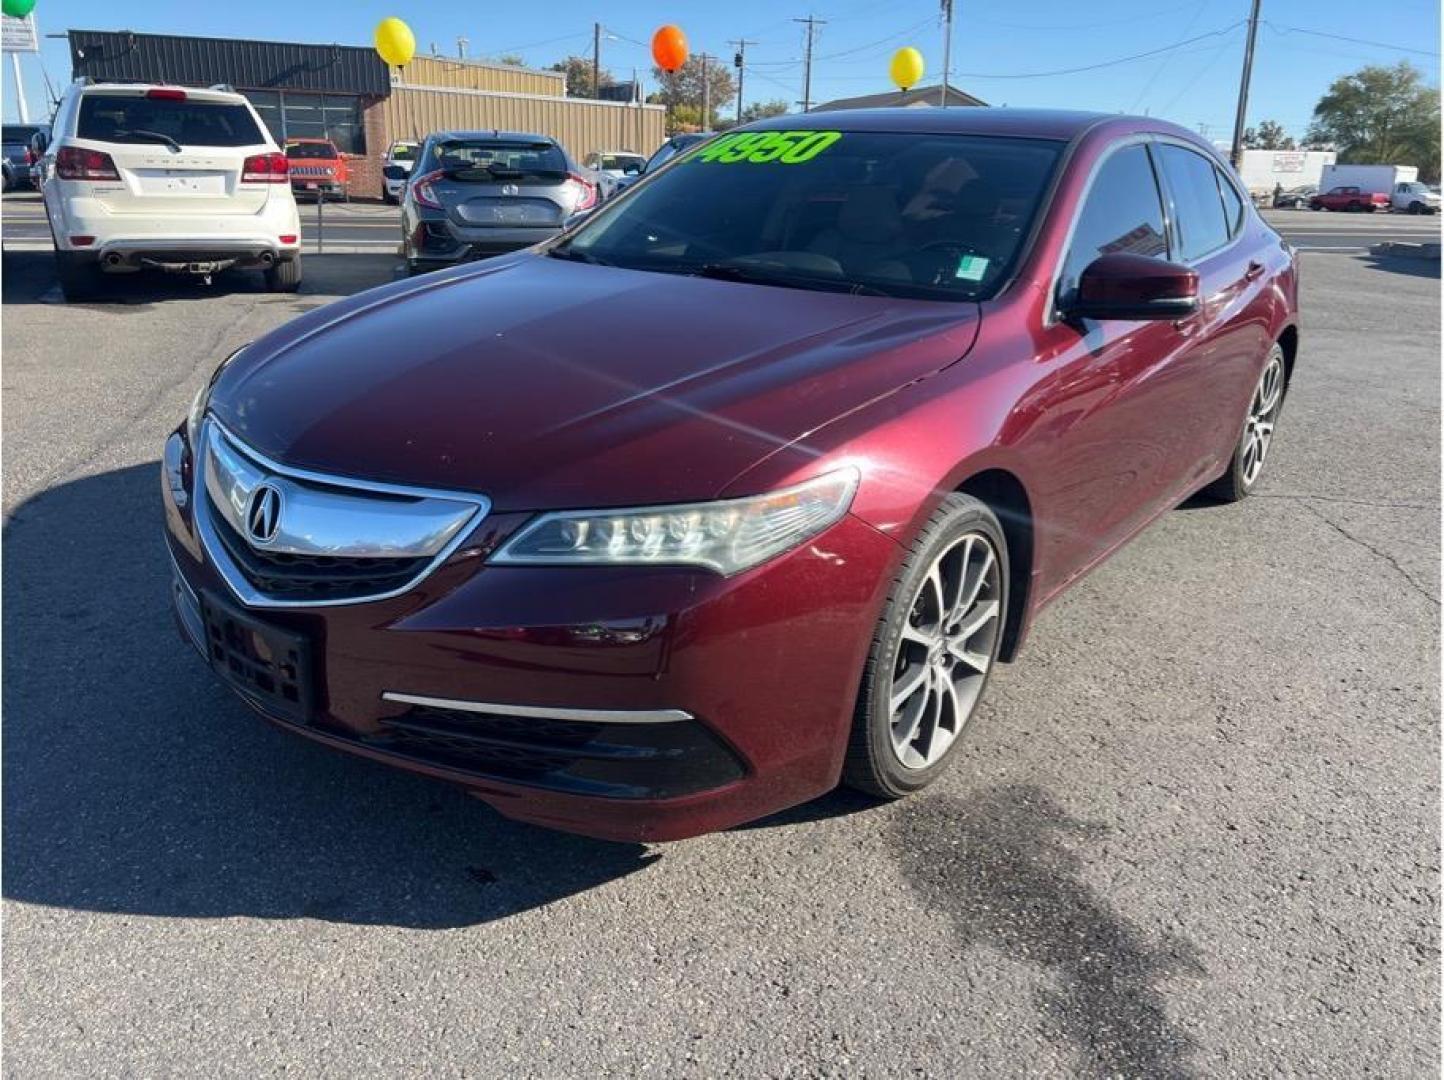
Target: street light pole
{"points": [[1235, 154]]}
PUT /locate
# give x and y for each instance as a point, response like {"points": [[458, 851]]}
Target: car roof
{"points": [[140, 90], [1061, 124], [492, 133]]}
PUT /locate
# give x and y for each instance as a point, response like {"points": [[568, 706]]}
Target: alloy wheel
{"points": [[948, 642], [1263, 411]]}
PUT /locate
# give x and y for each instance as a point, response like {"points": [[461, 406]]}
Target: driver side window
{"points": [[1121, 212]]}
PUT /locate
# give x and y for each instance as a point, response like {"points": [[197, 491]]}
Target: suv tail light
{"points": [[29, 156], [587, 196], [266, 169], [78, 163], [423, 191]]}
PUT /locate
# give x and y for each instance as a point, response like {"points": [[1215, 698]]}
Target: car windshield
{"points": [[403, 151], [131, 118], [482, 158], [629, 163], [900, 214], [310, 150]]}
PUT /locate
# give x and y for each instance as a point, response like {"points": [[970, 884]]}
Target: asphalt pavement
{"points": [[1194, 832]]}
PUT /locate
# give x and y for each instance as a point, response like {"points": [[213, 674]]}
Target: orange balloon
{"points": [[669, 48]]}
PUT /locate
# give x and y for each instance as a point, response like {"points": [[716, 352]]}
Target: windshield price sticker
{"points": [[760, 147]]}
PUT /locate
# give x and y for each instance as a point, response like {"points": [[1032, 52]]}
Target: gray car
{"points": [[474, 194], [18, 155]]}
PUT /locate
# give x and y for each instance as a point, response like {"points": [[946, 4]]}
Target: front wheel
{"points": [[931, 653], [1258, 432]]}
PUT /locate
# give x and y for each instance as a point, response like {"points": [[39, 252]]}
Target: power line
{"points": [[739, 61], [1342, 37], [1105, 63], [1088, 25]]}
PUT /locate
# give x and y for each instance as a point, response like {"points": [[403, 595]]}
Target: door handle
{"points": [[1253, 271]]}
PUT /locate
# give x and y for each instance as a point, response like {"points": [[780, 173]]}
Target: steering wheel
{"points": [[944, 270]]}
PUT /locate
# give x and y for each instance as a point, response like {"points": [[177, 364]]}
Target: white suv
{"points": [[187, 181]]}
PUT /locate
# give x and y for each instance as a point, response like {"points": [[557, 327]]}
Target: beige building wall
{"points": [[475, 75], [579, 124]]}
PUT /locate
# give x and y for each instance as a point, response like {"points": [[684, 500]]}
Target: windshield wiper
{"points": [[759, 276], [154, 136]]}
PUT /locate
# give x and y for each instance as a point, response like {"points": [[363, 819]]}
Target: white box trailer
{"points": [[1262, 170], [1376, 179]]}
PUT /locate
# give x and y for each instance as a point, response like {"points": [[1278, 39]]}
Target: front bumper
{"points": [[624, 703]]}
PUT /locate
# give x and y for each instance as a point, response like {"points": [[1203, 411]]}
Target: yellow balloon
{"points": [[395, 42], [906, 68]]}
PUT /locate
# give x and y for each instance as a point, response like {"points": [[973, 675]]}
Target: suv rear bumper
{"points": [[123, 255]]}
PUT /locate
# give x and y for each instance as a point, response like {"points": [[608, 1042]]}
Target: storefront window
{"points": [[292, 115]]}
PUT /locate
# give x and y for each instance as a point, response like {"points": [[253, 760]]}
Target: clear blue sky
{"points": [[1194, 84]]}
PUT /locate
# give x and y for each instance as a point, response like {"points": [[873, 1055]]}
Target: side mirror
{"points": [[1128, 286], [393, 172]]}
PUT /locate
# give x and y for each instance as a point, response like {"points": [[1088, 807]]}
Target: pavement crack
{"points": [[1414, 584], [1307, 496]]}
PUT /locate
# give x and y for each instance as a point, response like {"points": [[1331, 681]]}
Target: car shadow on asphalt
{"points": [[1394, 264], [135, 784], [28, 277]]}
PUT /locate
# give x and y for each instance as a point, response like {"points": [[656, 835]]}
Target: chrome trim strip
{"points": [[596, 716], [248, 595]]}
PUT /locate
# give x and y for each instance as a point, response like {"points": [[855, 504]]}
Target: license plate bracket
{"points": [[267, 665]]}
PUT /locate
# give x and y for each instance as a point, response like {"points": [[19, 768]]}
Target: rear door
{"points": [[493, 184], [177, 152]]}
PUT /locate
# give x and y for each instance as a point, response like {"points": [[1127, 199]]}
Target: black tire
{"points": [[1416, 207], [1235, 484], [79, 277], [285, 276], [872, 764], [1354, 207]]}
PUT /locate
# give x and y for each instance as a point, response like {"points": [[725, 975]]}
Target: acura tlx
{"points": [[740, 487]]}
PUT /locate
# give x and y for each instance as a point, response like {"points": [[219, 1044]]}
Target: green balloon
{"points": [[19, 8]]}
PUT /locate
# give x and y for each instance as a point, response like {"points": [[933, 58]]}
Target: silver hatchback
{"points": [[474, 194]]}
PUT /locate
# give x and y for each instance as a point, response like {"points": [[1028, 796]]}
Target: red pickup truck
{"points": [[1350, 198]]}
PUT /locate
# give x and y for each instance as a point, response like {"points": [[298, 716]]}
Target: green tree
{"points": [[578, 71], [684, 87], [763, 110], [1269, 135], [511, 60], [1381, 116]]}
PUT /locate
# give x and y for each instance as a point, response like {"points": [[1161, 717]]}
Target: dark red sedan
{"points": [[742, 487]]}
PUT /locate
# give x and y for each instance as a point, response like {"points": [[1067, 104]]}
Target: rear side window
{"points": [[1196, 202], [15, 133], [1122, 212], [1232, 204], [131, 119], [499, 158]]}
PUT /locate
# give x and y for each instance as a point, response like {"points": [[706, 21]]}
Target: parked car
{"points": [[746, 484], [143, 176], [1295, 198], [400, 159], [1413, 197], [663, 154], [481, 193], [317, 168], [615, 163], [1350, 198], [19, 154]]}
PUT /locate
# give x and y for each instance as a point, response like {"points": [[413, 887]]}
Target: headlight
{"points": [[202, 401], [727, 536]]}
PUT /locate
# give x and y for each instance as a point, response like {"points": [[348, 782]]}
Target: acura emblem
{"points": [[263, 514]]}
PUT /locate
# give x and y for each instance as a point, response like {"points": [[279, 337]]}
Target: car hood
{"points": [[542, 383]]}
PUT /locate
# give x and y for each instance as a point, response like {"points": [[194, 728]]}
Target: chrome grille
{"points": [[333, 540]]}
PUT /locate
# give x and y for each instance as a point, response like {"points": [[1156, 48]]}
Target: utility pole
{"points": [[739, 58], [461, 44], [706, 94], [596, 59], [1235, 154], [21, 104], [812, 25], [947, 47]]}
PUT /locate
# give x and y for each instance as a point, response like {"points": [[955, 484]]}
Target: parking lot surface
{"points": [[1194, 832]]}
